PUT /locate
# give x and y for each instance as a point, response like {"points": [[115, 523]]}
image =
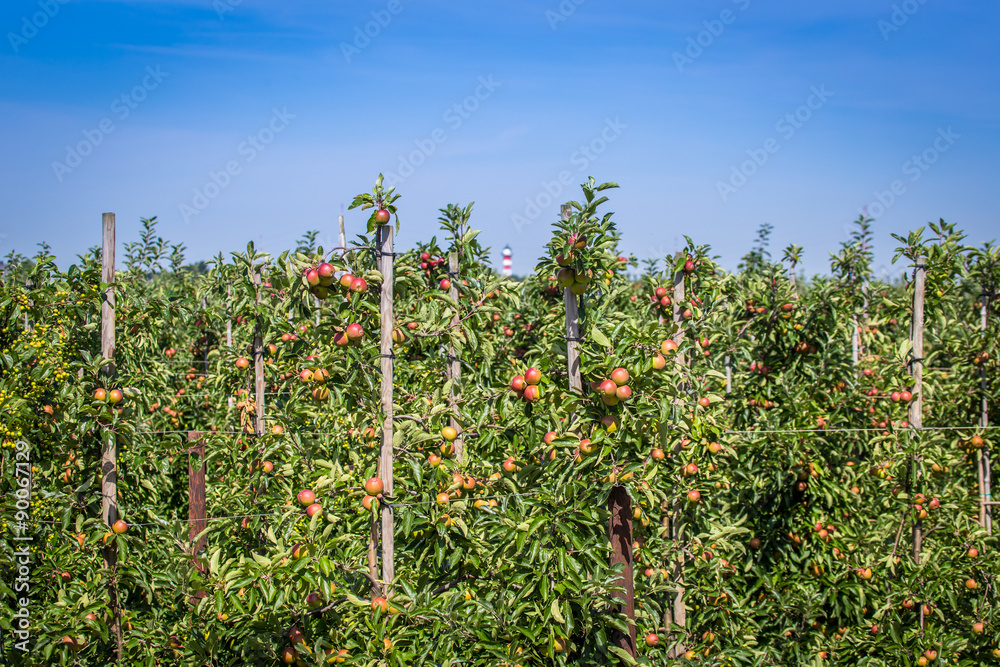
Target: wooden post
{"points": [[572, 328], [109, 448], [729, 376], [679, 608], [454, 367], [258, 361], [916, 406], [855, 343], [197, 521], [620, 534], [229, 320], [343, 233], [985, 495], [385, 267]]}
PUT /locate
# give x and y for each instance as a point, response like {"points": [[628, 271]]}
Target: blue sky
{"points": [[249, 120]]}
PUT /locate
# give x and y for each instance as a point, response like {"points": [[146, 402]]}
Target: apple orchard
{"points": [[376, 456]]}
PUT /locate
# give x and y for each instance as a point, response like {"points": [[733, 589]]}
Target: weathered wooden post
{"points": [[109, 443], [572, 327], [454, 365], [985, 495], [916, 406], [197, 521], [386, 259], [258, 360], [679, 608]]}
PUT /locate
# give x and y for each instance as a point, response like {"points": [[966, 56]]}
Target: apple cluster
{"points": [[322, 277], [578, 278], [319, 376], [525, 387], [307, 498], [114, 397], [373, 492], [615, 389]]}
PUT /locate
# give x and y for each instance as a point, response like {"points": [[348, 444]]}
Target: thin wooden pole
{"points": [[916, 407], [679, 608], [855, 343], [985, 492], [343, 233], [454, 365], [729, 376], [109, 449], [197, 521], [258, 360], [229, 320], [385, 265], [620, 535], [572, 328]]}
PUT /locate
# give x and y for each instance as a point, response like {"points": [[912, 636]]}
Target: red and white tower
{"points": [[508, 262]]}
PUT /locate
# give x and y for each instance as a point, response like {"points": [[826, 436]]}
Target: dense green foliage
{"points": [[799, 550]]}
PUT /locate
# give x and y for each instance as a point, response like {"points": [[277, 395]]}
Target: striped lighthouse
{"points": [[508, 262]]}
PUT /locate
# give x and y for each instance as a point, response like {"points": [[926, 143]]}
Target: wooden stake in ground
{"points": [[109, 445], [258, 362], [916, 406], [679, 608], [572, 328], [197, 521], [985, 495], [385, 267], [454, 366], [620, 535]]}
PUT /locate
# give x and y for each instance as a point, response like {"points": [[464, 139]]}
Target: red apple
{"points": [[693, 496], [445, 284], [518, 383], [119, 526], [532, 376], [354, 332], [313, 510], [531, 393], [382, 216], [359, 285], [619, 376], [374, 486]]}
